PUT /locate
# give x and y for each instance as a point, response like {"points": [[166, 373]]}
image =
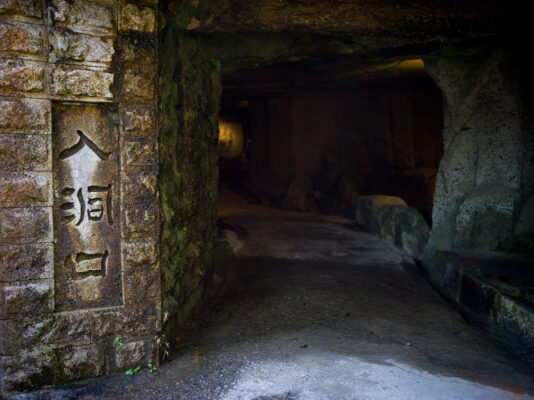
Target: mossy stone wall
{"points": [[190, 88]]}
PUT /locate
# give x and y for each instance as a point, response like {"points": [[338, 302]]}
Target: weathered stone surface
{"points": [[26, 225], [140, 221], [189, 106], [21, 39], [24, 115], [407, 227], [25, 299], [137, 85], [8, 337], [138, 153], [138, 121], [141, 272], [486, 218], [25, 152], [29, 8], [66, 45], [68, 81], [488, 148], [79, 362], [79, 328], [140, 255], [24, 189], [127, 321], [137, 18], [525, 223], [136, 50], [139, 189], [80, 14], [19, 75], [26, 370], [367, 210], [133, 353], [140, 287], [26, 262]]}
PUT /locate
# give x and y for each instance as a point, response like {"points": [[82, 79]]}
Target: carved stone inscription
{"points": [[86, 212]]}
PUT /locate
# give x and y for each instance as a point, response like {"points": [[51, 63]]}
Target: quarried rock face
{"points": [[486, 175], [79, 200]]}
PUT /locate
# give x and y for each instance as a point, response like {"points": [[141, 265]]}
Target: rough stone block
{"points": [[140, 221], [66, 45], [125, 321], [21, 39], [26, 262], [25, 299], [407, 227], [26, 370], [136, 50], [27, 8], [23, 189], [139, 189], [80, 362], [367, 209], [67, 81], [82, 14], [77, 328], [25, 115], [138, 86], [141, 272], [25, 152], [133, 353], [138, 121], [26, 225], [8, 337], [20, 75], [137, 18], [140, 255], [138, 153], [140, 287]]}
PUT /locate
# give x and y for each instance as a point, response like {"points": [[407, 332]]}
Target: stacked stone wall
{"points": [[68, 67]]}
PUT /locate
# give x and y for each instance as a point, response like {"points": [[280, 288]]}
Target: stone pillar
{"points": [[486, 174], [79, 202]]}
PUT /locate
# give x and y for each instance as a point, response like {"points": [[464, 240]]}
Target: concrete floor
{"points": [[313, 308]]}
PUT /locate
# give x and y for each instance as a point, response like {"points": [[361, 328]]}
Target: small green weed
{"points": [[132, 371]]}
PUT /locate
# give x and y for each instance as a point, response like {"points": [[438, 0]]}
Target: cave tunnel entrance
{"points": [[315, 146]]}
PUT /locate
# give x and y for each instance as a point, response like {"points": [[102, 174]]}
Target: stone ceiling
{"points": [[277, 46]]}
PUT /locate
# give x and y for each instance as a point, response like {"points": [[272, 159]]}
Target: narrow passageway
{"points": [[314, 308]]}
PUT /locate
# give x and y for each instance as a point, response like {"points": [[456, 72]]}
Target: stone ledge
{"points": [[491, 289]]}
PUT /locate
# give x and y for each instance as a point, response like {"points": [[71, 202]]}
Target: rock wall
{"points": [[189, 106], [486, 176], [79, 212], [318, 151]]}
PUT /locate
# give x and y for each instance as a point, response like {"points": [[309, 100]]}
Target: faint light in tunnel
{"points": [[231, 140]]}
